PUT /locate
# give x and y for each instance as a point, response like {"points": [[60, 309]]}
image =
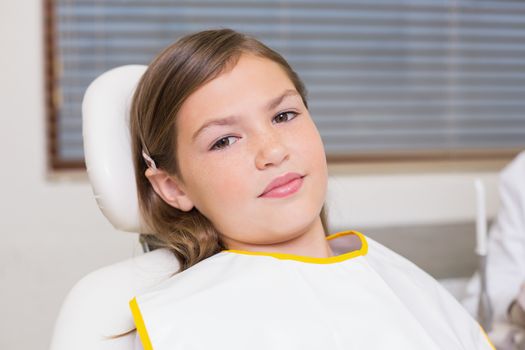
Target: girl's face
{"points": [[261, 130]]}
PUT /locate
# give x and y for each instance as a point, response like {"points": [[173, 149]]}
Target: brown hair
{"points": [[171, 78]]}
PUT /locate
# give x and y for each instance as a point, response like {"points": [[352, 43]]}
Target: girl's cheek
{"points": [[221, 171]]}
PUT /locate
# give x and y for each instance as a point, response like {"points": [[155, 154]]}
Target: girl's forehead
{"points": [[251, 82], [250, 67], [253, 85]]}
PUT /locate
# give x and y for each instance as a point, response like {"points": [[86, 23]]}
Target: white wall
{"points": [[53, 233], [402, 198]]}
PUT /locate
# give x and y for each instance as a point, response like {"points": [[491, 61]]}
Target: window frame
{"points": [[56, 163]]}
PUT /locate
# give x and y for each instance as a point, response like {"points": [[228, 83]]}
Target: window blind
{"points": [[384, 77]]}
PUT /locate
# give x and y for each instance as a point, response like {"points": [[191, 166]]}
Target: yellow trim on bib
{"points": [[486, 337], [307, 259], [139, 323]]}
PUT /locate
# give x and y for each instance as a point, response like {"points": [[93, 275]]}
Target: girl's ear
{"points": [[169, 189]]}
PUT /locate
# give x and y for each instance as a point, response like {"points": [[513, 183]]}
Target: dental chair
{"points": [[97, 307]]}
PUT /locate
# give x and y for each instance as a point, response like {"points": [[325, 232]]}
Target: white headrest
{"points": [[107, 145]]}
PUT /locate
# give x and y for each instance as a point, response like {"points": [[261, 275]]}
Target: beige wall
{"points": [[53, 233]]}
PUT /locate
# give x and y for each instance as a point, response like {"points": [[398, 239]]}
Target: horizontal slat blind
{"points": [[384, 76]]}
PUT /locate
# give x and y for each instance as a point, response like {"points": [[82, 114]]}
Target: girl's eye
{"points": [[285, 116], [221, 144]]}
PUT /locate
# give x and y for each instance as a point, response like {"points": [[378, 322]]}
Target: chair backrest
{"points": [[105, 129], [97, 306]]}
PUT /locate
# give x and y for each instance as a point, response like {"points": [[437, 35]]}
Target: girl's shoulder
{"points": [[425, 297]]}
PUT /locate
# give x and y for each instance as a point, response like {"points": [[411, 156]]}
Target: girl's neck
{"points": [[311, 242]]}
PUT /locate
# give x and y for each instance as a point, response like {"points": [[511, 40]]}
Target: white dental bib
{"points": [[367, 298]]}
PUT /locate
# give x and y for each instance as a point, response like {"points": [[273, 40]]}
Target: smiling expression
{"points": [[236, 134]]}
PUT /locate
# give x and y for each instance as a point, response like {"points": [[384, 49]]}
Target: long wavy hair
{"points": [[178, 71]]}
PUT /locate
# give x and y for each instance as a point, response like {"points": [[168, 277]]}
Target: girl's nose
{"points": [[271, 151]]}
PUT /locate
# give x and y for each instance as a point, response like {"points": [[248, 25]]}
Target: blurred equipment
{"points": [[484, 315], [502, 271]]}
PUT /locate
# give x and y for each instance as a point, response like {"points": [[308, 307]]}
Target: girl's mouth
{"points": [[285, 189]]}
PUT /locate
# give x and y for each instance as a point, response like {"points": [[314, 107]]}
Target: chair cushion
{"points": [[107, 145], [98, 304]]}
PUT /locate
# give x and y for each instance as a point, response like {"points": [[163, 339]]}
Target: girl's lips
{"points": [[283, 186]]}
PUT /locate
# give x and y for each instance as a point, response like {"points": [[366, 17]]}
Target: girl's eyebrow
{"points": [[232, 119], [276, 101]]}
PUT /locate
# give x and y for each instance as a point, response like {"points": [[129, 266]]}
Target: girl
{"points": [[232, 177]]}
